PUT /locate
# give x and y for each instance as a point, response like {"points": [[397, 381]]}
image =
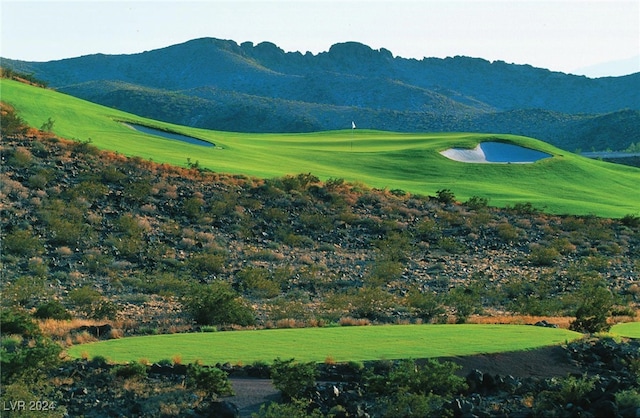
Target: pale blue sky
{"points": [[561, 35]]}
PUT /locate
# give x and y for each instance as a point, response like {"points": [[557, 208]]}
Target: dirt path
{"points": [[251, 393]]}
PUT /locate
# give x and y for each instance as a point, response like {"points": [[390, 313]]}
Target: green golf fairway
{"points": [[565, 183], [629, 329], [339, 343]]}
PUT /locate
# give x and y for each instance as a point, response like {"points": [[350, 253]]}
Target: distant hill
{"points": [[218, 84]]}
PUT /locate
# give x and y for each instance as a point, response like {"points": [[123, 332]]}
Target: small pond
{"points": [[169, 135]]}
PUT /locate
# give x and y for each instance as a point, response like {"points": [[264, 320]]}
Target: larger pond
{"points": [[169, 135]]}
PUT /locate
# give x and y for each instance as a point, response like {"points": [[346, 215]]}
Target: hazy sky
{"points": [[561, 35]]}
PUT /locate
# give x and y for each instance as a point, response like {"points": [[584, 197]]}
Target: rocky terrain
{"points": [[92, 238]]}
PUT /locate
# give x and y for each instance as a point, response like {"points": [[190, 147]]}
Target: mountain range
{"points": [[219, 84]]}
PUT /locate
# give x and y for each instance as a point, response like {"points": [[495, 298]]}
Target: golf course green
{"points": [[341, 344], [627, 329], [564, 183]]}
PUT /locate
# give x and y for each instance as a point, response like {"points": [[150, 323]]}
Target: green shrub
{"points": [[259, 282], [433, 377], [543, 256], [293, 379], [594, 304], [22, 243], [12, 124], [83, 297], [133, 369], [385, 271], [563, 391], [407, 405], [18, 322], [27, 360], [445, 196], [507, 232], [632, 221], [210, 380], [294, 409], [477, 202], [52, 309], [628, 399], [217, 304], [451, 245], [425, 305], [428, 230], [207, 263]]}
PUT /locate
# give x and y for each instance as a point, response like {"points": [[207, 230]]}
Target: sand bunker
{"points": [[495, 153], [169, 135]]}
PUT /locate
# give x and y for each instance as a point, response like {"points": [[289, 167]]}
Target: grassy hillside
{"points": [[565, 183]]}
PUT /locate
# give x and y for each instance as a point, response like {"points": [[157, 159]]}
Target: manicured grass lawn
{"points": [[566, 183], [629, 329], [339, 343]]}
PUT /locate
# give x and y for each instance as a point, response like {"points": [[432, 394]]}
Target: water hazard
{"points": [[169, 135]]}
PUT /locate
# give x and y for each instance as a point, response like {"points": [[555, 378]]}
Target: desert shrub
{"points": [[395, 246], [451, 245], [207, 263], [26, 360], [87, 189], [210, 380], [507, 232], [259, 282], [67, 232], [384, 271], [432, 377], [318, 222], [524, 209], [103, 309], [477, 202], [406, 405], [594, 304], [294, 409], [138, 190], [25, 291], [630, 220], [629, 398], [22, 243], [543, 256], [372, 303], [133, 369], [425, 305], [52, 309], [563, 391], [428, 230], [193, 207], [47, 126], [84, 297], [12, 124], [445, 196], [293, 379], [532, 296], [563, 245], [18, 322], [465, 301], [91, 302], [217, 304]]}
